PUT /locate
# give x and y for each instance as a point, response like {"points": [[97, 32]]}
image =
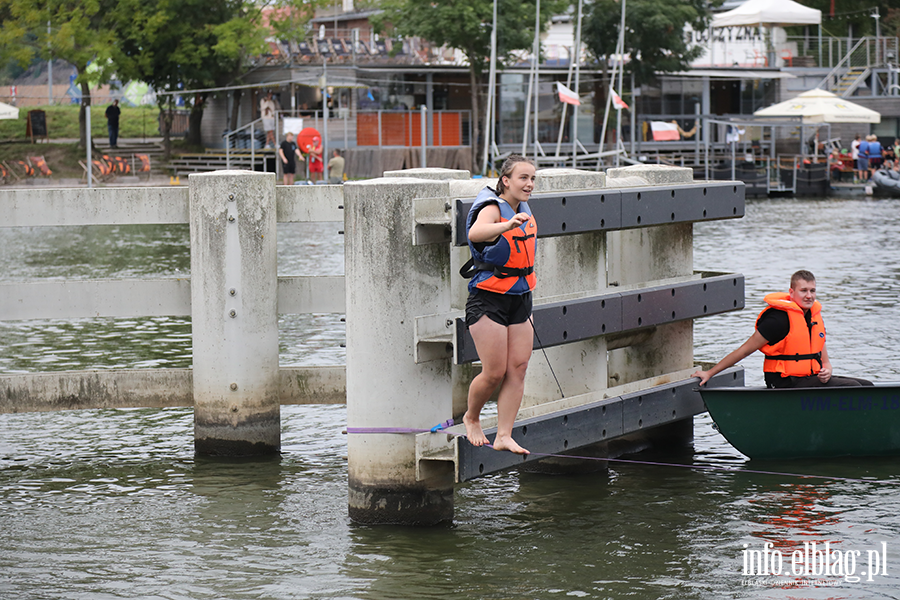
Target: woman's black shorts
{"points": [[505, 309]]}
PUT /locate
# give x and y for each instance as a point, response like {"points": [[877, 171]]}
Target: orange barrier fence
{"points": [[404, 128]]}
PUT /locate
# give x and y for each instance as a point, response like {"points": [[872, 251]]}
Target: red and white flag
{"points": [[617, 101], [566, 95], [663, 131]]}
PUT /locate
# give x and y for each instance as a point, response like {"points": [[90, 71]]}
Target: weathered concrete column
{"points": [[234, 313], [645, 255], [642, 256], [568, 266], [389, 283]]}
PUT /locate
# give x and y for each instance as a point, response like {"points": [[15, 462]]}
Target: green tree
{"points": [[654, 33], [655, 39], [466, 25], [80, 32], [840, 19], [197, 45], [182, 45]]}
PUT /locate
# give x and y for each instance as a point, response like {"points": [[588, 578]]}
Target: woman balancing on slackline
{"points": [[501, 232]]}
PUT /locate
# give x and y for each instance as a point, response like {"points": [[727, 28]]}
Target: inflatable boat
{"points": [[887, 181]]}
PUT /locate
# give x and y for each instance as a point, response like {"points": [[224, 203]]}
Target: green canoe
{"points": [[808, 423]]}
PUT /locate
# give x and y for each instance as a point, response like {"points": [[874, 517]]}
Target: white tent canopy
{"points": [[769, 13], [820, 106], [8, 112]]}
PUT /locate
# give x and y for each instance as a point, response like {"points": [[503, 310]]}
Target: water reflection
{"points": [[113, 504]]}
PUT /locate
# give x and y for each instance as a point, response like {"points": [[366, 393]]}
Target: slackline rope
{"points": [[449, 422]]}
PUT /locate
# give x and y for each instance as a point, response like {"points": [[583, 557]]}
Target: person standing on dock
{"points": [[267, 110], [501, 231], [289, 155], [791, 333], [862, 161], [854, 156], [112, 123], [316, 163], [875, 154]]}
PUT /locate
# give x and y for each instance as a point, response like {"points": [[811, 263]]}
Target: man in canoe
{"points": [[791, 333]]}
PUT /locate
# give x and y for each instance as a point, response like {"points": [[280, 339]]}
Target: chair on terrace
{"points": [[40, 164], [362, 49], [120, 164], [144, 167], [340, 49], [22, 168], [380, 49], [101, 170], [324, 49]]}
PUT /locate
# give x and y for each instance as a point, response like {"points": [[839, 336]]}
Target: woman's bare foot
{"points": [[474, 433], [507, 443]]}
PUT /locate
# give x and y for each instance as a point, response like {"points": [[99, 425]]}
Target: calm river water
{"points": [[98, 505]]}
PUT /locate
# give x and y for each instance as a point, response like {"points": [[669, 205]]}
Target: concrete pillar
{"points": [[234, 313], [647, 255], [568, 266], [390, 282]]}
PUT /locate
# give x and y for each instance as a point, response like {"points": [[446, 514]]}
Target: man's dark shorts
{"points": [[505, 309]]}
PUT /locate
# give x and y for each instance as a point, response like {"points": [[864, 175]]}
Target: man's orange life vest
{"points": [[799, 354]]}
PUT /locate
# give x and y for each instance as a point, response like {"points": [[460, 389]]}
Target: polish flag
{"points": [[617, 101], [566, 95], [663, 131]]}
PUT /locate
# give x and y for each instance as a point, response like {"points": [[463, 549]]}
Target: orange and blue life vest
{"points": [[506, 265], [799, 354]]}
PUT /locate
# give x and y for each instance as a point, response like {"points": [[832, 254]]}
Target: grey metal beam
{"points": [[566, 213], [616, 312], [150, 388], [97, 206], [86, 298], [565, 431], [149, 205]]}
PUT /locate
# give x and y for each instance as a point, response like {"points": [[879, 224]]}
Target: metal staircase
{"points": [[858, 66]]}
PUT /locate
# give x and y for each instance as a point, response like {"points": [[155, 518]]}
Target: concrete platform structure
{"points": [[614, 308], [613, 311]]}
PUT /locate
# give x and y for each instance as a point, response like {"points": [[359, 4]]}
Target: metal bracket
{"points": [[435, 336], [433, 448], [432, 218]]}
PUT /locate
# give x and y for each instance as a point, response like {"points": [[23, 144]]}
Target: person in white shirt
{"points": [[267, 112]]}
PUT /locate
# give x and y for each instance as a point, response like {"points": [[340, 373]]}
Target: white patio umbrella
{"points": [[8, 112], [820, 106]]}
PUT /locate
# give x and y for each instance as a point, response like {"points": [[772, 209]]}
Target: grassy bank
{"points": [[62, 122], [61, 158]]}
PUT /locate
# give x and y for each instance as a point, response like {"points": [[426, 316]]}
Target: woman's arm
{"points": [[488, 227]]}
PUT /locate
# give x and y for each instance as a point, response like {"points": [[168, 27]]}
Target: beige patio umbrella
{"points": [[820, 106], [8, 112]]}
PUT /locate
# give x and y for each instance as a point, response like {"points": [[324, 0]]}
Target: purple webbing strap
{"points": [[435, 429]]}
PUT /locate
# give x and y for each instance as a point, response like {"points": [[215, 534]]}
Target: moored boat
{"points": [[887, 181], [808, 422]]}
